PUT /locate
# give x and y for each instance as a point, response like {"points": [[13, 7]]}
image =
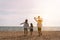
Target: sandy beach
{"points": [[19, 35]]}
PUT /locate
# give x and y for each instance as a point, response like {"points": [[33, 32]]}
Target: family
{"points": [[39, 26]]}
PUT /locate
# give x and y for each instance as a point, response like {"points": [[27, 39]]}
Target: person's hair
{"points": [[31, 24], [26, 21], [38, 16]]}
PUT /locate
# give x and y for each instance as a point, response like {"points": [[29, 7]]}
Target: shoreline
{"points": [[34, 28]]}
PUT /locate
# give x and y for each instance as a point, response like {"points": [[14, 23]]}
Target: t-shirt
{"points": [[39, 23], [26, 25]]}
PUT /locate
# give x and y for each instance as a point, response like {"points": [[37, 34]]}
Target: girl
{"points": [[31, 28]]}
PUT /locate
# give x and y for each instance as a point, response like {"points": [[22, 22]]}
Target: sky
{"points": [[14, 12]]}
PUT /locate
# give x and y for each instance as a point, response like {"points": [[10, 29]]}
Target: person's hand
{"points": [[35, 19]]}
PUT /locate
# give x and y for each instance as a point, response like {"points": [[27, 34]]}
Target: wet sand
{"points": [[19, 35]]}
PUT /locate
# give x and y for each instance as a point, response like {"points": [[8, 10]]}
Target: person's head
{"points": [[31, 24], [26, 20], [38, 17]]}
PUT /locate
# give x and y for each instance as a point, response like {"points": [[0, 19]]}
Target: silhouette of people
{"points": [[39, 24], [26, 25], [31, 28]]}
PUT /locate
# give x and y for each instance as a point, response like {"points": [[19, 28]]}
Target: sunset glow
{"points": [[13, 12]]}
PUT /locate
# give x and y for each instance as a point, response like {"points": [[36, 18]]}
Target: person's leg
{"points": [[30, 33], [26, 31], [39, 31]]}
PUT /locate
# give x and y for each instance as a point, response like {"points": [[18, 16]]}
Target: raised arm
{"points": [[35, 19], [21, 23]]}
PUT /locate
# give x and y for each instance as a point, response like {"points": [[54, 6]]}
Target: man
{"points": [[39, 24], [26, 25]]}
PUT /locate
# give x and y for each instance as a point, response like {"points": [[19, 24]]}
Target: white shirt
{"points": [[26, 25]]}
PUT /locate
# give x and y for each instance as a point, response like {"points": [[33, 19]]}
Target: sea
{"points": [[21, 28]]}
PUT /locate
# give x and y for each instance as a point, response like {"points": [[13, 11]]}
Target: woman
{"points": [[39, 24]]}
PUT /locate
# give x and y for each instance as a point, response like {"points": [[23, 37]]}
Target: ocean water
{"points": [[19, 28]]}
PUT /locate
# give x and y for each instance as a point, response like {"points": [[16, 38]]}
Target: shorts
{"points": [[31, 30], [39, 29], [25, 29]]}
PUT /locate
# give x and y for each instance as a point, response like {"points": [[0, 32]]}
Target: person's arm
{"points": [[35, 19], [21, 23]]}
